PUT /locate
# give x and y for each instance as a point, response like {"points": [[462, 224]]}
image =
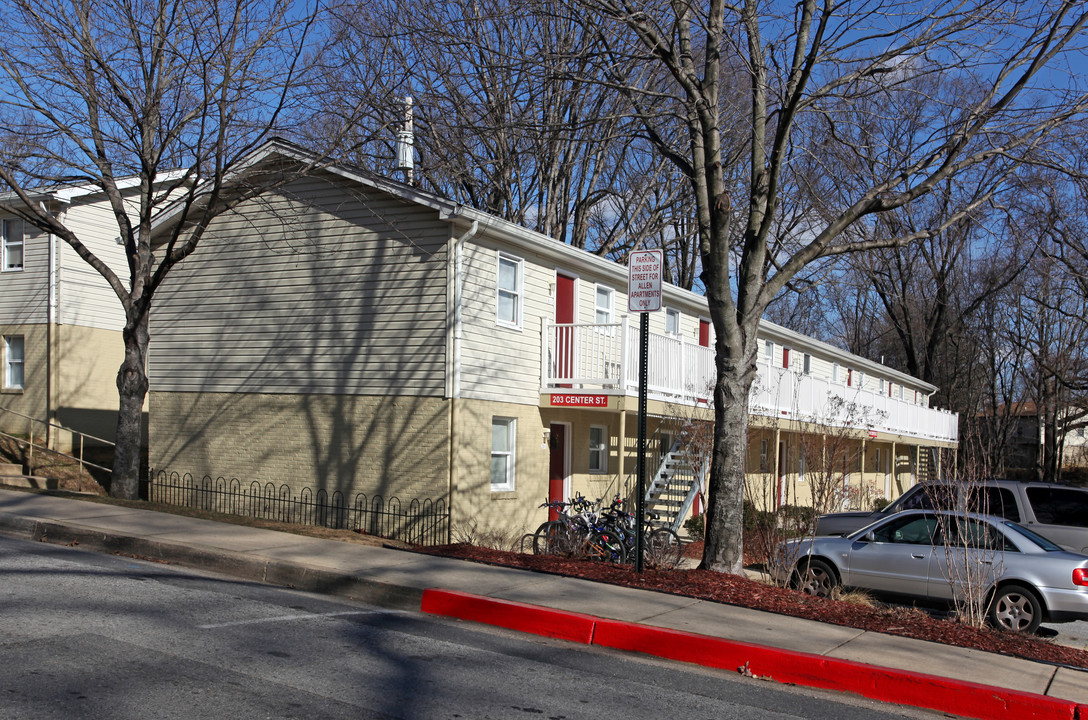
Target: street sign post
{"points": [[644, 271]]}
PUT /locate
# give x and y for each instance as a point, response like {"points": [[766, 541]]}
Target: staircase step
{"points": [[29, 481], [10, 469]]}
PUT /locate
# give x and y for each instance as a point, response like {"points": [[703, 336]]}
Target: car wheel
{"points": [[1015, 609], [814, 577]]}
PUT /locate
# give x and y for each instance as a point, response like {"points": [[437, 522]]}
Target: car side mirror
{"points": [[868, 537]]}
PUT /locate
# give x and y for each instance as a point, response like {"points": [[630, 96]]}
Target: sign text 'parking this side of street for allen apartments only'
{"points": [[644, 270]]}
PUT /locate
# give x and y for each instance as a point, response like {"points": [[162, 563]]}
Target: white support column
{"points": [[544, 359]]}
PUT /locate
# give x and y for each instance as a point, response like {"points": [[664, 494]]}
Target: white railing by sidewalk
{"points": [[589, 356]]}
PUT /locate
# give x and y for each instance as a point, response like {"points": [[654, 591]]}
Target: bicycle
{"points": [[578, 534], [661, 546]]}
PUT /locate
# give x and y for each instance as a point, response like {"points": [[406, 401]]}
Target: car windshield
{"points": [[1034, 537]]}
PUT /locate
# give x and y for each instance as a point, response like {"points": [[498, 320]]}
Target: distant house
{"points": [[350, 334], [1024, 437], [60, 321]]}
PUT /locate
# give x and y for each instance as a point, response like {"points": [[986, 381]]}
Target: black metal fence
{"points": [[419, 522]]}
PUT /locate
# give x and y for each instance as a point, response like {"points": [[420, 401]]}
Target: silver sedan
{"points": [[1022, 578]]}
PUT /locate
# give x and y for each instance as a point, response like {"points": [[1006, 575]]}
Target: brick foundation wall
{"points": [[374, 445]]}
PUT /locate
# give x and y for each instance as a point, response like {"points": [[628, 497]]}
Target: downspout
{"points": [[458, 296], [51, 333], [455, 269], [50, 340]]}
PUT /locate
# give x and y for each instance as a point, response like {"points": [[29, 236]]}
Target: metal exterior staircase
{"points": [[675, 485]]}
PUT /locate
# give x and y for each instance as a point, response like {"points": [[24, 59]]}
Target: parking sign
{"points": [[644, 272]]}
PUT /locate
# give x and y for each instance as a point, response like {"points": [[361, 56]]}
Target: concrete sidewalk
{"points": [[395, 578]]}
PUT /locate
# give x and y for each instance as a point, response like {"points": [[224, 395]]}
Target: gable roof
{"points": [[278, 154]]}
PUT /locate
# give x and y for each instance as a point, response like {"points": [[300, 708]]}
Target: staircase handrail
{"points": [[45, 448]]}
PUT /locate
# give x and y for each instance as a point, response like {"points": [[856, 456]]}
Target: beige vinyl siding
{"points": [[83, 295], [24, 294], [313, 290], [498, 363], [821, 367]]}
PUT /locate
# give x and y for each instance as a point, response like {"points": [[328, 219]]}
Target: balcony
{"points": [[604, 358]]}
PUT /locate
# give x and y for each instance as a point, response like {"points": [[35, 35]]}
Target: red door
{"points": [[564, 337], [557, 466], [780, 489], [704, 340]]}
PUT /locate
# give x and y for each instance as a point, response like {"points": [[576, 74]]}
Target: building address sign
{"points": [[578, 400]]}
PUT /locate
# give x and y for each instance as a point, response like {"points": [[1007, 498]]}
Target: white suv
{"points": [[1057, 512]]}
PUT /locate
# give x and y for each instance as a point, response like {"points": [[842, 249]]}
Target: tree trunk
{"points": [[132, 387], [724, 532]]}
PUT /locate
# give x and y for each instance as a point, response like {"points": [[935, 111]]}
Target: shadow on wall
{"points": [[97, 423], [320, 357]]}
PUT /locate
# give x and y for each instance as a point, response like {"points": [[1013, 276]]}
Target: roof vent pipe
{"points": [[405, 142]]}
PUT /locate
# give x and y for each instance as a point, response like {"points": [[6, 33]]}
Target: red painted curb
{"points": [[797, 668], [558, 624], [903, 687]]}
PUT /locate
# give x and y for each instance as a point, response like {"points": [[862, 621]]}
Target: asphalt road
{"points": [[84, 635]]}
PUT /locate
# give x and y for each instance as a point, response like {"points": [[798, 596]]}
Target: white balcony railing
{"points": [[605, 357]]}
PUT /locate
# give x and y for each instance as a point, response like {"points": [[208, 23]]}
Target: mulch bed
{"points": [[740, 591]]}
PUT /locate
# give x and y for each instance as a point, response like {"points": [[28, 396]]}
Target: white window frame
{"points": [[509, 453], [672, 317], [768, 350], [881, 386], [835, 373], [598, 453], [608, 312], [7, 244], [764, 452], [806, 365], [13, 360], [517, 292]]}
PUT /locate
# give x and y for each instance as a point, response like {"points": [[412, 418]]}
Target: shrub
{"points": [[694, 526], [798, 516]]}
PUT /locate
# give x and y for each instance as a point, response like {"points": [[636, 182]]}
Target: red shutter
{"points": [[564, 337], [704, 332], [564, 299]]}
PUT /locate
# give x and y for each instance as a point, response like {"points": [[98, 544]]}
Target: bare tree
{"points": [[508, 118], [805, 65], [154, 105], [1048, 325]]}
